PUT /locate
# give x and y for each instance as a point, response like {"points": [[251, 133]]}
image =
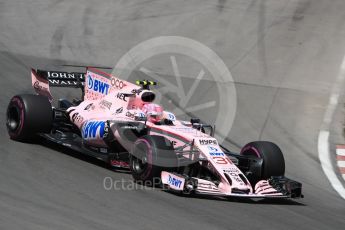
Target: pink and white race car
{"points": [[117, 121]]}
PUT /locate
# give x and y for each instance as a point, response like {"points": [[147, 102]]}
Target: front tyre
{"points": [[28, 115], [150, 156], [269, 155]]}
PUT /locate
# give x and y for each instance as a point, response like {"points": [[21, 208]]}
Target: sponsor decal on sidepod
{"points": [[119, 110], [93, 130], [121, 96], [106, 104]]}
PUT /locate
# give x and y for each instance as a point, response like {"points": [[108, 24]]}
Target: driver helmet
{"points": [[154, 112]]}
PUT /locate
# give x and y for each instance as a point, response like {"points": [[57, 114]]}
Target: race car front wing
{"points": [[275, 187]]}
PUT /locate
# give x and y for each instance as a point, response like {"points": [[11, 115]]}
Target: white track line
{"points": [[323, 140]]}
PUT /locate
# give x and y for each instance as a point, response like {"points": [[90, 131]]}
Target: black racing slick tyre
{"points": [[269, 155], [28, 115], [149, 157]]}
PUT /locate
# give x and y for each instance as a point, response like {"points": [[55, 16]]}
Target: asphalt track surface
{"points": [[284, 56]]}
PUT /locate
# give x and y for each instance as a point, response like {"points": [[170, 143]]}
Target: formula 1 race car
{"points": [[116, 121]]}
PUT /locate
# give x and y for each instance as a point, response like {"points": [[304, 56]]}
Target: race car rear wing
{"points": [[62, 79], [94, 84], [42, 80]]}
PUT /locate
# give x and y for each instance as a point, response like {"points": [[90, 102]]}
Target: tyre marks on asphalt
{"points": [[56, 42], [341, 159]]}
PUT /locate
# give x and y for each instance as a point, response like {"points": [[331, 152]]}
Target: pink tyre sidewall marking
{"points": [[255, 150]]}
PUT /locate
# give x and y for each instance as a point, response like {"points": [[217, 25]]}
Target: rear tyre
{"points": [[269, 155], [150, 156], [28, 115]]}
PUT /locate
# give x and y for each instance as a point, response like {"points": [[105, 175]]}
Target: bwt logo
{"points": [[93, 129], [215, 151], [97, 85], [217, 154], [174, 181]]}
